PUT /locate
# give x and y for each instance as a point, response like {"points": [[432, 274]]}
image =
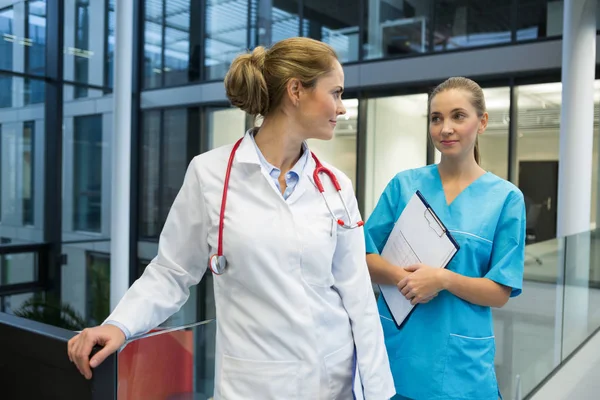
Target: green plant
{"points": [[51, 312]]}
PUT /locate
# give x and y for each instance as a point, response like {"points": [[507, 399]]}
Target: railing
{"points": [[535, 333], [173, 363], [540, 330], [34, 364]]}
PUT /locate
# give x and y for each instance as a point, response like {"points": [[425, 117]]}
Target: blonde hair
{"points": [[477, 98], [256, 82]]}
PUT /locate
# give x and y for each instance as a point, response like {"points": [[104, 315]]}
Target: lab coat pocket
{"points": [[264, 380], [340, 370], [469, 371], [320, 238]]}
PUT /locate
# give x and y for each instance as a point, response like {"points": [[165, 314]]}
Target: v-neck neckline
{"points": [[441, 184]]}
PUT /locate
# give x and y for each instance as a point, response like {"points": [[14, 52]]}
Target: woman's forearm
{"points": [[480, 291], [383, 272]]}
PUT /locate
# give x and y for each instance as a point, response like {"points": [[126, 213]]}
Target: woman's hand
{"points": [[422, 284], [80, 347]]}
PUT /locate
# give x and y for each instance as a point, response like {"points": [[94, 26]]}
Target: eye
{"points": [[460, 116], [435, 119]]}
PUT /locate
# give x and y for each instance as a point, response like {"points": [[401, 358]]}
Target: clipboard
{"points": [[418, 236]]}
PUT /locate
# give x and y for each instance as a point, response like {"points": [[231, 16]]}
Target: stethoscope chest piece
{"points": [[217, 264]]}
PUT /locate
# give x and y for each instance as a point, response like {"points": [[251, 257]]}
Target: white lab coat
{"points": [[296, 299]]}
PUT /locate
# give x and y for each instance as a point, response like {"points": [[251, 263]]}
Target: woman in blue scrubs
{"points": [[446, 348]]}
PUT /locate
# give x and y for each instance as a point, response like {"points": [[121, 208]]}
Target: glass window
{"points": [[396, 141], [87, 173], [21, 166], [493, 143], [177, 42], [341, 150], [35, 50], [226, 34], [153, 44], [27, 173], [277, 20], [110, 44], [167, 42], [536, 164], [81, 52], [396, 28], [542, 18], [461, 23], [225, 126], [97, 287], [169, 141], [149, 210], [6, 55], [339, 28]]}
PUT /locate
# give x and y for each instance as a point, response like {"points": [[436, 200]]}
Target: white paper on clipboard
{"points": [[419, 236]]}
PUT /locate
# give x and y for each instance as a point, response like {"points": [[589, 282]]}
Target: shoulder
{"points": [[414, 177], [501, 188], [211, 159]]}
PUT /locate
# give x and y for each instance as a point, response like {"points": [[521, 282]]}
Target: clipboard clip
{"points": [[434, 223]]}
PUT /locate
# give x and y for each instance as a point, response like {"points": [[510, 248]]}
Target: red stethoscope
{"points": [[217, 262]]}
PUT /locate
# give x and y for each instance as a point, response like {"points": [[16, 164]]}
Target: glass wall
{"points": [[396, 141]]}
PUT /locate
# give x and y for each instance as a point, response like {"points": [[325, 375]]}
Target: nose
{"points": [[341, 110], [447, 128]]}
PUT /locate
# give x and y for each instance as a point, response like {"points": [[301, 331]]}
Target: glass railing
{"points": [[174, 363], [537, 331]]}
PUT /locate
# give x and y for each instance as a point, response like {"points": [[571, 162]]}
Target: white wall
{"points": [[396, 141]]}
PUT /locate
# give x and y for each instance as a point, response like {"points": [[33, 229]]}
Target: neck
{"points": [[452, 168], [279, 143]]}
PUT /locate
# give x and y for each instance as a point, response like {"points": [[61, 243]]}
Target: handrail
{"points": [[34, 356]]}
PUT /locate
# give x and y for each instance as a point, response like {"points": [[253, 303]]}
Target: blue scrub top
{"points": [[446, 348]]}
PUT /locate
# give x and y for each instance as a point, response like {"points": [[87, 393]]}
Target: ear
{"points": [[483, 123], [294, 90]]}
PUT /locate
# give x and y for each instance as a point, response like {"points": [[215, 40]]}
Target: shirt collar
{"points": [[297, 169]]}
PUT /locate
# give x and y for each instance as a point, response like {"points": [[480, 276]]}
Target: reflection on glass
{"points": [[460, 24], [397, 28], [153, 44], [28, 169], [341, 150], [493, 143], [339, 28], [226, 34], [396, 141], [185, 355], [87, 173]]}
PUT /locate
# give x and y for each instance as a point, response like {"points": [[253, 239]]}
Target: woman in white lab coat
{"points": [[296, 315]]}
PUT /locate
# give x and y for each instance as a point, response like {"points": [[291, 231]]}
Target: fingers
{"points": [[81, 352], [100, 356]]}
